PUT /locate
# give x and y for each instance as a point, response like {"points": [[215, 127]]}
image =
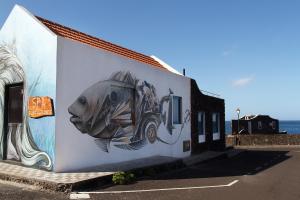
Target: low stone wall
{"points": [[230, 140], [253, 140]]}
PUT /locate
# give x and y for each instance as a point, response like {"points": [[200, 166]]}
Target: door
{"points": [[14, 120]]}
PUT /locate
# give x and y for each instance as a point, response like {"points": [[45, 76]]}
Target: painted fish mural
{"points": [[21, 143], [122, 110]]}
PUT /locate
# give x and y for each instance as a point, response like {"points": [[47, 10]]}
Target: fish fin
{"points": [[124, 76], [123, 132], [124, 117], [97, 110], [119, 133], [122, 108], [121, 139], [103, 144], [128, 129], [136, 145]]}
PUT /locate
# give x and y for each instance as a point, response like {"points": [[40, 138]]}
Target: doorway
{"points": [[13, 121]]}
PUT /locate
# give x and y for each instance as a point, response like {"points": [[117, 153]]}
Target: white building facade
{"points": [[110, 104]]}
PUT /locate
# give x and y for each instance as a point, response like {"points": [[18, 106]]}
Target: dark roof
{"points": [[250, 117], [72, 34]]}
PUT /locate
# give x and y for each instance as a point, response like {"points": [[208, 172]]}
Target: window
{"points": [[177, 101], [273, 125], [201, 123], [201, 127], [216, 126], [216, 122], [259, 125]]}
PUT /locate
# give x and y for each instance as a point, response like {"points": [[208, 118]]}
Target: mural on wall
{"points": [[21, 143], [123, 110]]}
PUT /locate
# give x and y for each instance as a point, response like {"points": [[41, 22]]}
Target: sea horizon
{"points": [[291, 126]]}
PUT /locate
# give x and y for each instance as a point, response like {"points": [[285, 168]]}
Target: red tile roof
{"points": [[99, 43]]}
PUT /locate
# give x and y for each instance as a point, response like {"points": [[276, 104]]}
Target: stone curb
{"points": [[54, 186], [265, 146], [46, 185]]}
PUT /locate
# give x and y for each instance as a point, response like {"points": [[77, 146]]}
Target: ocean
{"points": [[292, 127]]}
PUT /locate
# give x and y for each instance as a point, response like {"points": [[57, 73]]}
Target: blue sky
{"points": [[246, 51]]}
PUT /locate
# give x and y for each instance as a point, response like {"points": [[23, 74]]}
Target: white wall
{"points": [[79, 67]]}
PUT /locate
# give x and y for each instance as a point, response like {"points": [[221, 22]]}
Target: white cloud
{"points": [[226, 53], [242, 81]]}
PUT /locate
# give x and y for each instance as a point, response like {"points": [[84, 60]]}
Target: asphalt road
{"points": [[264, 174]]}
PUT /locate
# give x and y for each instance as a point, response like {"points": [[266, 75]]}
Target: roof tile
{"points": [[98, 43]]}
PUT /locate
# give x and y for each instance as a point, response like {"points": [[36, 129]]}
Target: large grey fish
{"points": [[105, 109], [123, 110]]}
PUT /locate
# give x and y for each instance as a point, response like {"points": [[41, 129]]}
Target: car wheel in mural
{"points": [[123, 110], [150, 129], [21, 144]]}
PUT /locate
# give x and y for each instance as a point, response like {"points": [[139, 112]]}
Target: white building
{"points": [[72, 101]]}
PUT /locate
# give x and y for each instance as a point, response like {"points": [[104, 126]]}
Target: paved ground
{"points": [[12, 191], [269, 173], [19, 171]]}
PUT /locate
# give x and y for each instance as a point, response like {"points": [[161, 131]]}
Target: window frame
{"points": [[259, 125], [201, 136], [203, 122], [179, 110], [216, 135], [273, 125]]}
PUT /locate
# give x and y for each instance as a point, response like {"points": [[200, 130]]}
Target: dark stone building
{"points": [[255, 124], [207, 121]]}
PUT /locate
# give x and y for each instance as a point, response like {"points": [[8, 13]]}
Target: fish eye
{"points": [[82, 100], [113, 96]]}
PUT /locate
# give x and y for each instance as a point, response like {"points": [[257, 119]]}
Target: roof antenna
{"points": [[183, 71]]}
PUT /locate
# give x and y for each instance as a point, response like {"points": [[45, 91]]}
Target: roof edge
{"points": [[165, 65], [78, 36]]}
